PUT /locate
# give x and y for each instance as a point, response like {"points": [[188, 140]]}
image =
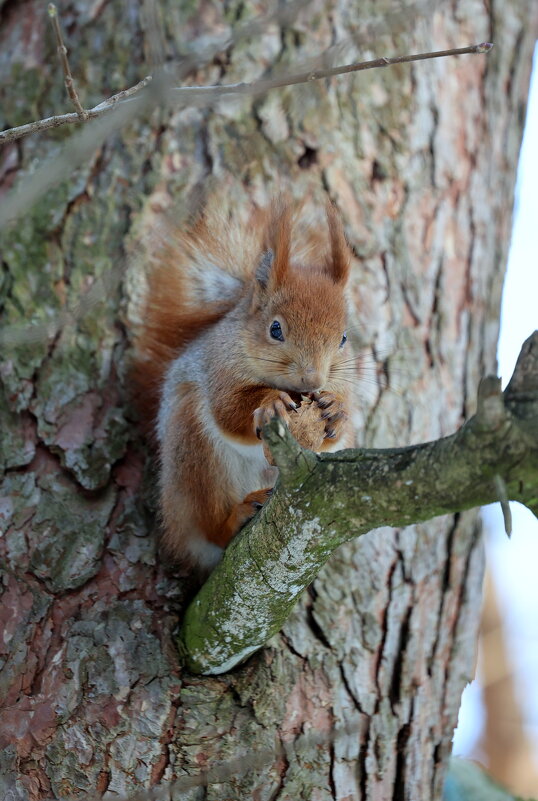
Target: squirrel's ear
{"points": [[275, 260], [264, 268], [338, 262]]}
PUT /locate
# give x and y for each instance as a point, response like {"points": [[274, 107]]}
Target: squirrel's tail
{"points": [[194, 279]]}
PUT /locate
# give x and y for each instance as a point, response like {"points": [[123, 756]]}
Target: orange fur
{"points": [[279, 240], [235, 406], [190, 499], [208, 366], [338, 263], [240, 515], [213, 508], [169, 325]]}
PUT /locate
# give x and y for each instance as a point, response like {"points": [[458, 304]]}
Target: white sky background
{"points": [[514, 563]]}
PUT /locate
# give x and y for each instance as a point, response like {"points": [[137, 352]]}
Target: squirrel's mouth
{"points": [[297, 394], [298, 382]]}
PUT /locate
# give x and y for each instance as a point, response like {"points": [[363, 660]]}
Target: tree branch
{"points": [[193, 95], [62, 52], [321, 501]]}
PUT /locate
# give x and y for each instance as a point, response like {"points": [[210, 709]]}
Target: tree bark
{"points": [[357, 697]]}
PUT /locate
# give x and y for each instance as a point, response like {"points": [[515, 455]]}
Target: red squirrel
{"points": [[240, 324]]}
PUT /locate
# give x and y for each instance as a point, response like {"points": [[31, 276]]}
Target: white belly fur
{"points": [[247, 464]]}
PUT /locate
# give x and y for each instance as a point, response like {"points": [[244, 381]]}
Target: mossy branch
{"points": [[322, 501]]}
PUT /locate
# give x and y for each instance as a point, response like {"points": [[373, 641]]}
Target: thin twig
{"points": [[257, 87], [192, 94], [62, 52], [66, 119], [125, 93]]}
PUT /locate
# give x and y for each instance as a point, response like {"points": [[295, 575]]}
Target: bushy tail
{"points": [[194, 279]]}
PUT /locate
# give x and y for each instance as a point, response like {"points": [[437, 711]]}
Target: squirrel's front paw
{"points": [[333, 412], [279, 404]]}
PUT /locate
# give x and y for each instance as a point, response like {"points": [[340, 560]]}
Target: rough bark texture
{"points": [[358, 696]]}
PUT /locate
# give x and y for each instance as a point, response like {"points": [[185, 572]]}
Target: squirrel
{"points": [[240, 325]]}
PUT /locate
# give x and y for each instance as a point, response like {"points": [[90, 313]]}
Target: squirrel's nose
{"points": [[311, 380]]}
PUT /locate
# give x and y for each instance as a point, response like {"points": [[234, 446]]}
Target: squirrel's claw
{"points": [[333, 412], [275, 405]]}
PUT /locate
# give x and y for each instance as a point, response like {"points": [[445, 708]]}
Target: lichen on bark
{"points": [[372, 660]]}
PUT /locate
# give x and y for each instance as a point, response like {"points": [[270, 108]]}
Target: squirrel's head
{"points": [[296, 330]]}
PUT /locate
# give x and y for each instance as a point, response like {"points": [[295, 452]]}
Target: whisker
{"points": [[355, 380], [375, 368], [352, 370], [361, 381], [353, 360], [262, 359], [360, 369], [381, 353], [358, 384], [347, 381], [370, 352]]}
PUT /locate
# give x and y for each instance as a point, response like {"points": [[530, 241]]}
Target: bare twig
{"points": [[192, 95], [43, 125], [259, 87], [123, 95], [62, 52], [67, 119]]}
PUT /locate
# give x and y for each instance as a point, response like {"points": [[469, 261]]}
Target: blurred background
{"points": [[498, 723]]}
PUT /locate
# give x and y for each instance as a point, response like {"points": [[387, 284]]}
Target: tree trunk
{"points": [[358, 697]]}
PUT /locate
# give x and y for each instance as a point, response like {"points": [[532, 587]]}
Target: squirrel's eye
{"points": [[276, 331], [344, 340]]}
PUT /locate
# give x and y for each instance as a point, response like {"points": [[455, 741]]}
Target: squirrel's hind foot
{"points": [[244, 512]]}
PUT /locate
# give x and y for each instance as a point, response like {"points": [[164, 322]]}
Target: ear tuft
{"points": [[338, 263], [278, 238], [264, 268]]}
